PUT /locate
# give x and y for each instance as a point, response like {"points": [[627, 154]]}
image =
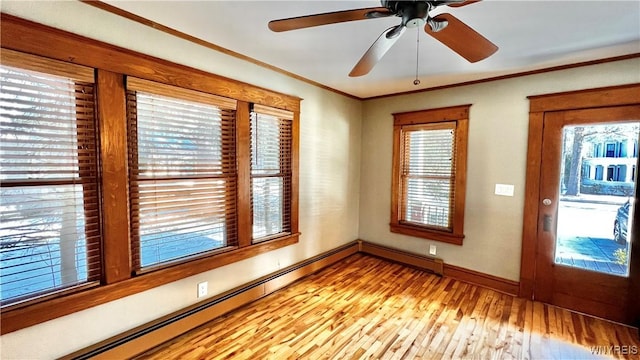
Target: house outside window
{"points": [[608, 159], [610, 150], [620, 173], [586, 171], [599, 172], [429, 173]]}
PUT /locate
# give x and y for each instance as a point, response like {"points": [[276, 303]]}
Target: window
{"points": [[620, 173], [610, 170], [271, 134], [429, 173], [49, 216], [617, 173], [610, 150], [599, 172], [622, 149], [597, 150], [182, 172]]}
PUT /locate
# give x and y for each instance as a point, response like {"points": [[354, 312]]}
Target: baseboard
{"points": [[432, 264], [503, 285], [147, 336], [437, 266]]}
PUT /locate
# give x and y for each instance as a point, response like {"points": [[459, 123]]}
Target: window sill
{"points": [[425, 233], [272, 237]]}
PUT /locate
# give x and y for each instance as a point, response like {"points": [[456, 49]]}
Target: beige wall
{"points": [[497, 154], [343, 194], [329, 182]]}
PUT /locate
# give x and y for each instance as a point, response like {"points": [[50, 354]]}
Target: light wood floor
{"points": [[368, 308]]}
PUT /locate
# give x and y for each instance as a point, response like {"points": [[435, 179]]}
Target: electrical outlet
{"points": [[203, 289], [432, 249]]}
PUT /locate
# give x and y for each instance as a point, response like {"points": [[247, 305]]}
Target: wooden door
{"points": [[579, 264]]}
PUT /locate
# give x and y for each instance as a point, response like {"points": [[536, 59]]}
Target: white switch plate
{"points": [[432, 249], [504, 189], [203, 289]]}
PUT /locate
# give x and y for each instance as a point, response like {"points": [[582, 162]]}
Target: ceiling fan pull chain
{"points": [[416, 82]]}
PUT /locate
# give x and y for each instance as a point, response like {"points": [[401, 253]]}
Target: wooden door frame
{"points": [[538, 106]]}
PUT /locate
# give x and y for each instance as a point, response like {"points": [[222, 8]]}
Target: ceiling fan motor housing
{"points": [[413, 13]]}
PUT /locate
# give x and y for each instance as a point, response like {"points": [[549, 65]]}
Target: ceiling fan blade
{"points": [[302, 22], [460, 38], [463, 3], [380, 47]]}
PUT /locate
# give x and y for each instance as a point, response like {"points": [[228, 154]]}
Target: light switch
{"points": [[504, 189]]}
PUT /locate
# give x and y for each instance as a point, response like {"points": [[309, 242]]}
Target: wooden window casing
{"points": [[419, 139], [112, 69]]}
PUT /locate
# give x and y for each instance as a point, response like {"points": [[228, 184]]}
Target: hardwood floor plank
{"points": [[514, 341], [368, 308]]}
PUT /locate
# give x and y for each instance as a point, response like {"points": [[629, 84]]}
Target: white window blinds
{"points": [[428, 174]]}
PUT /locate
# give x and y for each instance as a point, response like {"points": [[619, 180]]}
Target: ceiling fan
{"points": [[445, 28]]}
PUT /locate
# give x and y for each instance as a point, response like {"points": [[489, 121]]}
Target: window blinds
{"points": [[49, 208], [182, 172], [428, 170], [271, 138]]}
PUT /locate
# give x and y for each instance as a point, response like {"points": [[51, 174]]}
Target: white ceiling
{"points": [[530, 35]]}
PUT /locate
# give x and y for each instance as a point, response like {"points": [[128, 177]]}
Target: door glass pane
{"points": [[597, 183]]}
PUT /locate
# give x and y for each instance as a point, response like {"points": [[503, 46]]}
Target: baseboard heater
{"points": [[147, 336], [432, 264]]}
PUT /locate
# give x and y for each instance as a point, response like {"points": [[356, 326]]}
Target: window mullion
{"points": [[113, 149], [243, 160]]}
